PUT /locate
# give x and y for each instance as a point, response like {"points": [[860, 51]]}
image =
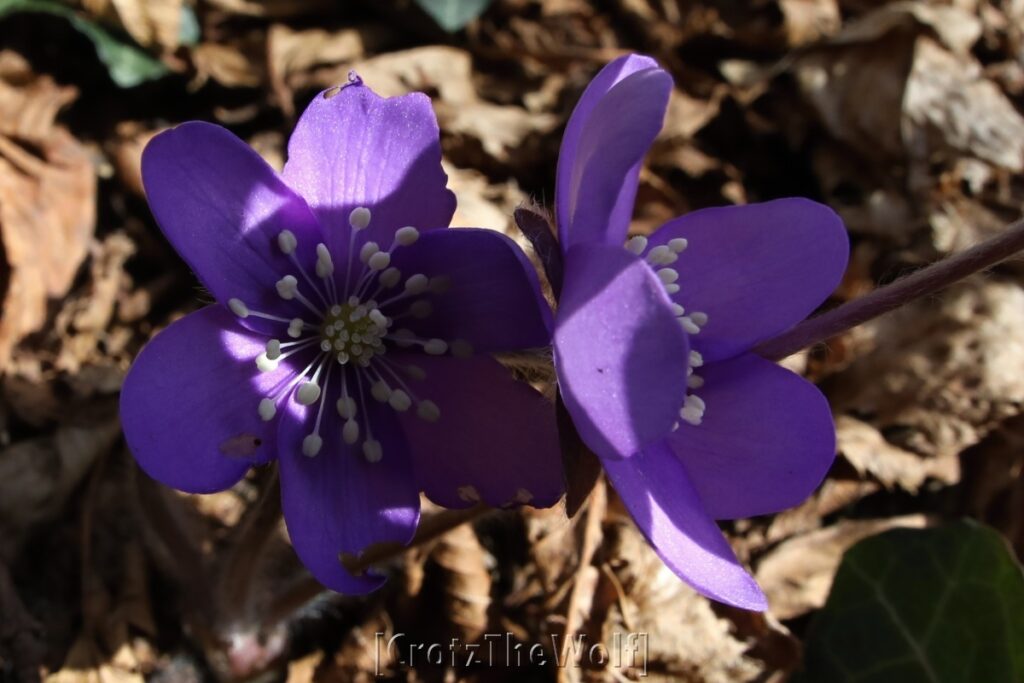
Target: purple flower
{"points": [[350, 333], [652, 341]]}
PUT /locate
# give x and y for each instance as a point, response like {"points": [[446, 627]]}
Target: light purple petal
{"points": [[620, 353], [222, 207], [666, 508], [495, 441], [189, 403], [337, 502], [358, 149], [605, 141], [755, 270], [491, 296], [765, 443]]}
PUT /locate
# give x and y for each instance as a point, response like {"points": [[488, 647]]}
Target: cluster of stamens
{"points": [[661, 259], [351, 333]]}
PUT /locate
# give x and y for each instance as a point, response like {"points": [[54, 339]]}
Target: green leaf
{"points": [[452, 15], [128, 65], [922, 606]]}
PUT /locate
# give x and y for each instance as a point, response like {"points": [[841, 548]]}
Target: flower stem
{"points": [[924, 282]]}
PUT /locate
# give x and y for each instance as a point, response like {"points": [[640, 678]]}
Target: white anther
{"points": [[379, 261], [421, 309], [428, 410], [688, 325], [308, 393], [295, 328], [407, 235], [311, 445], [399, 400], [368, 250], [286, 241], [324, 263], [417, 284], [661, 256], [696, 359], [267, 409], [378, 318], [287, 287], [372, 450], [636, 244], [380, 391], [699, 318], [273, 349], [350, 432], [325, 345], [359, 218], [439, 284], [461, 348], [678, 310], [691, 415], [678, 245], [342, 358], [435, 347], [346, 406], [694, 381], [238, 307], [416, 372], [695, 401], [668, 275], [672, 288], [390, 277], [264, 364]]}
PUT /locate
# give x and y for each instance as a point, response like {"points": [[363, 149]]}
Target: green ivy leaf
{"points": [[939, 605], [453, 15], [128, 65]]}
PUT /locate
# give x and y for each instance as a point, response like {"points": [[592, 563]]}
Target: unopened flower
{"points": [[652, 341], [350, 333]]}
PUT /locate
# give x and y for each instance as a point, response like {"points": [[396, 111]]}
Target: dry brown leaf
{"points": [[866, 449], [797, 575], [806, 21], [273, 9], [466, 581], [226, 64], [150, 22], [47, 199]]}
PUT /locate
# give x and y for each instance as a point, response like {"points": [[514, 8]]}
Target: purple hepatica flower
{"points": [[345, 336], [652, 341]]}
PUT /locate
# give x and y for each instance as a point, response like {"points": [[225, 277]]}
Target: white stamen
{"points": [[668, 275], [287, 287], [672, 288], [350, 432], [390, 277], [267, 409], [273, 349], [696, 401], [238, 307], [264, 364], [678, 310], [688, 325], [636, 244], [379, 260], [421, 309], [372, 450], [700, 318], [295, 328], [324, 263], [694, 381], [359, 218], [691, 415], [428, 410], [311, 445], [416, 372], [678, 245], [417, 284], [368, 250], [407, 236], [661, 256], [435, 347], [346, 406], [399, 400], [380, 391], [308, 393], [286, 241], [378, 318]]}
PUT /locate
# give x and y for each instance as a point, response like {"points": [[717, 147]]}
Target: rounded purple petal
{"points": [[765, 442], [495, 439], [658, 494], [486, 291], [189, 403], [352, 148], [605, 141], [222, 208], [337, 502], [620, 354], [755, 270]]}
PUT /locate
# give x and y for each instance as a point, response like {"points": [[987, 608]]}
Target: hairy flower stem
{"points": [[924, 282]]}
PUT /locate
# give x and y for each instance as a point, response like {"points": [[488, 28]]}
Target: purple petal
{"points": [[222, 207], [491, 297], [495, 439], [358, 149], [337, 502], [666, 508], [755, 270], [766, 440], [608, 134], [189, 403], [620, 353]]}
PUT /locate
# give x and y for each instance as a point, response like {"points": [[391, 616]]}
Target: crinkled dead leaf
{"points": [[152, 23]]}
